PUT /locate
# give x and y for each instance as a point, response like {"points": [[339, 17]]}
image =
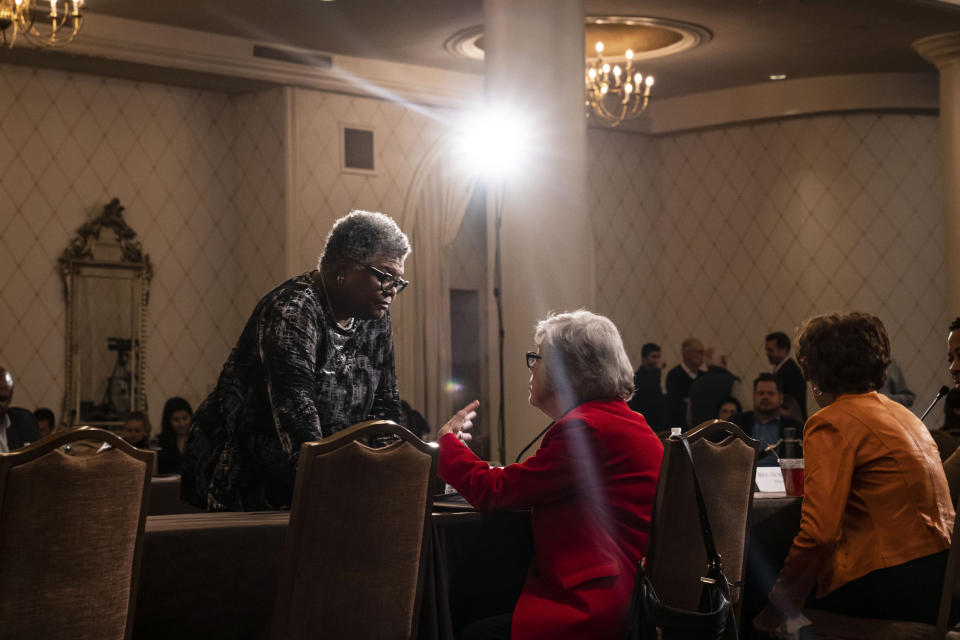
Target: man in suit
{"points": [[709, 391], [679, 380], [787, 370], [647, 397], [18, 427], [766, 424]]}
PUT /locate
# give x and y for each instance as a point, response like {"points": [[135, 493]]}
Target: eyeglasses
{"points": [[532, 358], [387, 280]]}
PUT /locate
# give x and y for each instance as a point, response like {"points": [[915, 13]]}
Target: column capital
{"points": [[941, 49]]}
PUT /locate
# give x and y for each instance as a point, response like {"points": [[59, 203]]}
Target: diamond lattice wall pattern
{"points": [[731, 233], [201, 176], [722, 234]]}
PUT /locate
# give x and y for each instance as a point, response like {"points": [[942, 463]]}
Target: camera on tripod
{"points": [[119, 344]]}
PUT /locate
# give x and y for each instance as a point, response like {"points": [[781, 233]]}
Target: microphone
{"points": [[944, 390], [530, 444]]}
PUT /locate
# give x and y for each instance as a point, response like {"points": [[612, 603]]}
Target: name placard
{"points": [[770, 480]]}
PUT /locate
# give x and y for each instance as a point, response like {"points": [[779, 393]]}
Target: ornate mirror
{"points": [[106, 283]]}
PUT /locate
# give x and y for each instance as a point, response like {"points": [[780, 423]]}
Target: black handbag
{"points": [[651, 619]]}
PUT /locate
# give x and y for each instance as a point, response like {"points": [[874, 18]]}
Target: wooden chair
{"points": [[71, 534], [359, 536], [726, 461], [830, 626]]}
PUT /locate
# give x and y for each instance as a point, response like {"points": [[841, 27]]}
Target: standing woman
{"points": [[315, 357], [174, 427], [590, 486], [876, 516]]}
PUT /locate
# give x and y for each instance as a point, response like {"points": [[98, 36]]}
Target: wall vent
{"points": [[358, 150]]}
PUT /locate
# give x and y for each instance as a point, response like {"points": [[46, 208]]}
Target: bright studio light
{"points": [[493, 142]]}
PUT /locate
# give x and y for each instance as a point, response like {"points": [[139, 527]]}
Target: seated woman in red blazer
{"points": [[590, 486]]}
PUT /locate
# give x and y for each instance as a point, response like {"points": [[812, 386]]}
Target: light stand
{"points": [[498, 296]]}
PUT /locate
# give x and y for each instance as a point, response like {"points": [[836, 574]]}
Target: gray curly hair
{"points": [[361, 236], [584, 355]]}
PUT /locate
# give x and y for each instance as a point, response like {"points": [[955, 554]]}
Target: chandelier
{"points": [[48, 23], [615, 93]]}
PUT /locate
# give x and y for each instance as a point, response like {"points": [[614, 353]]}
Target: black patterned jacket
{"points": [[294, 376]]}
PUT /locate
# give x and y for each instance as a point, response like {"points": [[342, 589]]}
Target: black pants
{"points": [[494, 628], [908, 591]]}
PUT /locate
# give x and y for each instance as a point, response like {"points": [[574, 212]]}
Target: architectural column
{"points": [[943, 50], [534, 57]]}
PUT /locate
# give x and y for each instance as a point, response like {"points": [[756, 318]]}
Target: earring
{"points": [[340, 279]]}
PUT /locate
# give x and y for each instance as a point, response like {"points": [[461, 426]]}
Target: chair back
{"points": [[71, 533], [951, 584], [359, 534], [726, 461]]}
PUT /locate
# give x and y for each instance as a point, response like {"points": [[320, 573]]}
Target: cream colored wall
{"points": [[200, 174], [729, 233], [321, 191], [724, 234]]}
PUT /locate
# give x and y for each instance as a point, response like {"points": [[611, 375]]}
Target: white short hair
{"points": [[361, 236], [583, 353]]}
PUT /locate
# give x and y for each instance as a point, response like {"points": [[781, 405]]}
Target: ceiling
{"points": [[751, 39]]}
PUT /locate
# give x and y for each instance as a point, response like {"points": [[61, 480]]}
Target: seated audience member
{"points": [[174, 428], [45, 421], [876, 514], [679, 380], [591, 485], [711, 388], [647, 396], [947, 437], [777, 348], [765, 422], [951, 465], [728, 408], [895, 386], [136, 429], [18, 427]]}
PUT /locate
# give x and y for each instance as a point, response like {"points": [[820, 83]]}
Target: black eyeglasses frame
{"points": [[387, 281], [532, 357]]}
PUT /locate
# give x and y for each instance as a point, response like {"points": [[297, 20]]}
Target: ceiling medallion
{"points": [[615, 88]]}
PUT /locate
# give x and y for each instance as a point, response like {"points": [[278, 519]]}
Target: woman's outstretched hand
{"points": [[460, 422]]}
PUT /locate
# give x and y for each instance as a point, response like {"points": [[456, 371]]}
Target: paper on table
{"points": [[790, 628], [770, 480]]}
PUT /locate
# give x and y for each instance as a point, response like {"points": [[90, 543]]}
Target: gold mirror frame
{"points": [[115, 257]]}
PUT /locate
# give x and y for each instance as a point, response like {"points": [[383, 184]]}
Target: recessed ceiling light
{"points": [[778, 76]]}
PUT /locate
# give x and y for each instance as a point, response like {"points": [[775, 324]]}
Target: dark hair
{"points": [[141, 416], [168, 437], [782, 339], [45, 414], [767, 377], [728, 400], [844, 353], [649, 348], [955, 324], [950, 419]]}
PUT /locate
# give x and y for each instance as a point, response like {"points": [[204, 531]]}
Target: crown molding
{"points": [[159, 46], [789, 98]]}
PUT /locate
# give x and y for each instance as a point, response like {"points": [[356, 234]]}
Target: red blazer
{"points": [[590, 487]]}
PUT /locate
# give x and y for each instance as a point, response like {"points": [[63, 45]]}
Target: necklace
{"points": [[329, 305]]}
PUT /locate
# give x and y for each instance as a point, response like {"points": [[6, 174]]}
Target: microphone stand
{"points": [[944, 390]]}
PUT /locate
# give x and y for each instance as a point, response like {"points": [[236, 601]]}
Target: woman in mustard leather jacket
{"points": [[876, 517]]}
